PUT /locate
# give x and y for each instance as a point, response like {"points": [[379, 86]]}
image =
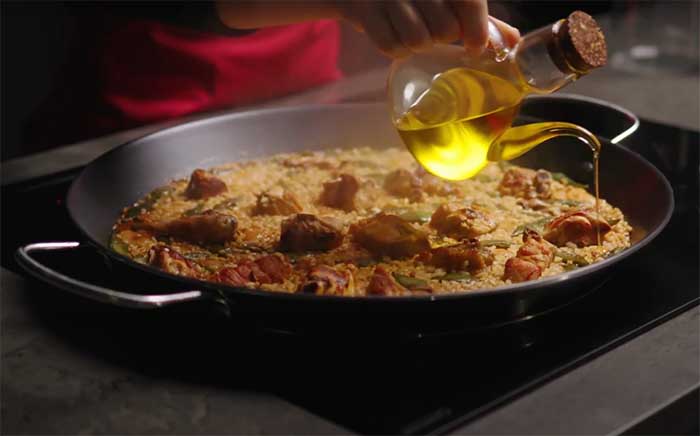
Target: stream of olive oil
{"points": [[464, 119]]}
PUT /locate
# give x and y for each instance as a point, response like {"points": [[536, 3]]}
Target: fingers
{"points": [[373, 19], [409, 26], [401, 27], [510, 34], [473, 19], [440, 19]]}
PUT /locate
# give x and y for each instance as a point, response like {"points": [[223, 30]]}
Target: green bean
{"points": [[571, 257], [456, 277], [149, 202], [416, 216], [198, 209], [410, 282], [498, 243], [537, 225]]}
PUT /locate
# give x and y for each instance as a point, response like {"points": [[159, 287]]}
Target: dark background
{"points": [[37, 36]]}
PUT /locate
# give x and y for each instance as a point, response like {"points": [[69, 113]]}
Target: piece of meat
{"points": [[519, 270], [536, 250], [533, 203], [204, 185], [466, 256], [389, 235], [306, 232], [230, 276], [206, 228], [526, 183], [532, 258], [461, 223], [273, 268], [340, 193], [382, 283], [542, 182], [324, 280], [403, 183], [276, 266], [578, 227], [171, 261], [277, 202]]}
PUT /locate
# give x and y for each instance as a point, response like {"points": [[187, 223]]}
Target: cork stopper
{"points": [[578, 44]]}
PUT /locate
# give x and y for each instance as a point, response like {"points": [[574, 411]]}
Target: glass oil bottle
{"points": [[454, 112]]}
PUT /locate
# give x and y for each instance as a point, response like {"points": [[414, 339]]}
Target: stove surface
{"points": [[407, 386]]}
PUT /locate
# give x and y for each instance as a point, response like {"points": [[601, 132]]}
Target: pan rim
{"points": [[516, 288]]}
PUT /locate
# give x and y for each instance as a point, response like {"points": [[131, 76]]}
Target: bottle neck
{"points": [[542, 61]]}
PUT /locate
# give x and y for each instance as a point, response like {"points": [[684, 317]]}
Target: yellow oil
{"points": [[464, 119], [451, 127]]}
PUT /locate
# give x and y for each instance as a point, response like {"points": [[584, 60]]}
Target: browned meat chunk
{"points": [[532, 258], [277, 203], [533, 203], [389, 235], [536, 250], [204, 185], [324, 280], [273, 268], [171, 261], [526, 183], [519, 270], [306, 232], [403, 183], [340, 193], [206, 228], [578, 227], [382, 283], [464, 223], [467, 256]]}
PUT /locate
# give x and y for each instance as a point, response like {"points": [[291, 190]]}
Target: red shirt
{"points": [[146, 71]]}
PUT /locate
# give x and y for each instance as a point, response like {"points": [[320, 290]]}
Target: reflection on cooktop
{"points": [[370, 384]]}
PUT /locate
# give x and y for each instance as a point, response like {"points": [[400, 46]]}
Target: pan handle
{"points": [[98, 293]]}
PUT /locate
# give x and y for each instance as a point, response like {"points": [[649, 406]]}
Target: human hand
{"points": [[401, 27]]}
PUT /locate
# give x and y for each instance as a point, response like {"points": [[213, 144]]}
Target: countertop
{"points": [[54, 384]]}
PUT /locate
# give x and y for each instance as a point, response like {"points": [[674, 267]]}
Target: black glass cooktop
{"points": [[368, 386]]}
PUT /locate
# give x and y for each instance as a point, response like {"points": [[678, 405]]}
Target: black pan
{"points": [[126, 173]]}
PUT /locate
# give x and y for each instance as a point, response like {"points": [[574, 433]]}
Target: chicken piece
{"points": [[273, 268], [169, 260], [306, 232], [526, 183], [204, 185], [578, 227], [464, 223], [277, 202], [542, 182], [519, 270], [536, 250], [389, 235], [532, 258], [467, 256], [206, 228], [324, 280], [533, 203], [340, 193], [382, 283], [403, 183]]}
